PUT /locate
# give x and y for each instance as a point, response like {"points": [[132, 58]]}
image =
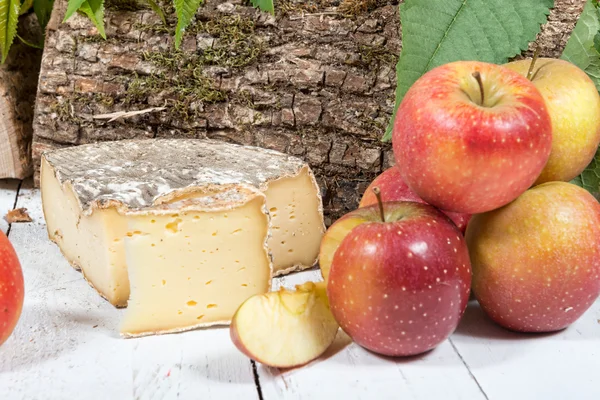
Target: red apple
{"points": [[11, 288], [536, 261], [470, 137], [400, 287], [393, 188]]}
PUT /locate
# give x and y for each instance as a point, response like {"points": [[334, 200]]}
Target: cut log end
{"points": [[18, 84]]}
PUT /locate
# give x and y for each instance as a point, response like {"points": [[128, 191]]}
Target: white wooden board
{"points": [[66, 347]]}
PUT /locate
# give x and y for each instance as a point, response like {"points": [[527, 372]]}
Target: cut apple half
{"points": [[287, 328]]}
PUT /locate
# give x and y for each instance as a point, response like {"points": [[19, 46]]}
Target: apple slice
{"points": [[286, 328]]}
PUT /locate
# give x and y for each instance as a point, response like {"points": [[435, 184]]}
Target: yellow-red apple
{"points": [[286, 328], [11, 288], [574, 106], [393, 188], [470, 137], [400, 287], [536, 261]]}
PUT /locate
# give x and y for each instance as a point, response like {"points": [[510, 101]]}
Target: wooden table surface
{"points": [[66, 346]]}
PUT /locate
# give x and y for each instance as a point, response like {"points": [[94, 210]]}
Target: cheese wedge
{"points": [[132, 214]]}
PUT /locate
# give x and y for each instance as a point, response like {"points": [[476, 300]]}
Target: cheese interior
{"points": [[296, 222], [92, 243], [194, 269]]}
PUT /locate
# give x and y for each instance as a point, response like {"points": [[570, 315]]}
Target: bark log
{"points": [[314, 81], [18, 83]]}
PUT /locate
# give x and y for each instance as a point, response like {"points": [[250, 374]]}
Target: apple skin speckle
{"points": [[11, 288], [393, 188], [536, 261], [468, 157], [397, 286]]}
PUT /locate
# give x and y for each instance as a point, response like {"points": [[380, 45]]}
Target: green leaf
{"points": [[581, 48], [28, 43], [9, 17], [264, 5], [43, 9], [94, 9], [436, 32], [72, 7], [185, 10], [156, 8], [590, 177], [25, 6]]}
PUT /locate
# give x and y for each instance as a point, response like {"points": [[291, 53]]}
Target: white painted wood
{"points": [[202, 364], [8, 194], [348, 371], [66, 346], [507, 365]]}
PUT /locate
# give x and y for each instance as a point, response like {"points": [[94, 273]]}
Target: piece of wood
{"points": [[66, 345], [317, 86], [18, 85], [8, 196], [511, 365]]}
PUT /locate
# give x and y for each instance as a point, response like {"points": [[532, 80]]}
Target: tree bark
{"points": [[317, 81], [18, 82]]}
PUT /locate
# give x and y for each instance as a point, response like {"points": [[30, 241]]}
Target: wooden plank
{"points": [[347, 371], [66, 344], [202, 364], [8, 194], [516, 366]]}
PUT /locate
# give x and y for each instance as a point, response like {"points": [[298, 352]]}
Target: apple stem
{"points": [[477, 77], [380, 202], [536, 54]]}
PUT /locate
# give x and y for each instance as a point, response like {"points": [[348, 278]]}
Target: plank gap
{"points": [[14, 206], [256, 380], [468, 369]]}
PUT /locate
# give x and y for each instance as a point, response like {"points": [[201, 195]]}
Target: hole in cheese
{"points": [[164, 282], [191, 303], [208, 282], [200, 316], [214, 233], [211, 306], [173, 226]]}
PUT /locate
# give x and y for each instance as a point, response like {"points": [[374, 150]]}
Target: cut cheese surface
{"points": [[136, 212], [296, 222], [208, 267]]}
